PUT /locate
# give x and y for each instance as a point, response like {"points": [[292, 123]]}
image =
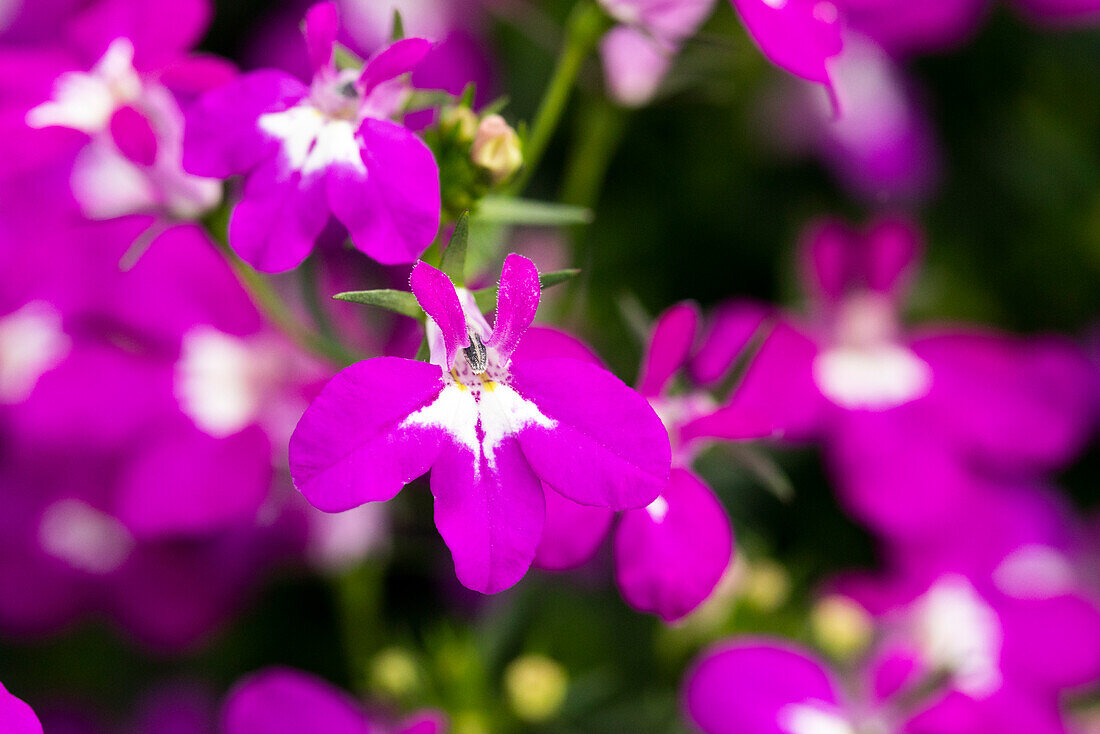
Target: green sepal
{"points": [[486, 298], [398, 31], [509, 210], [401, 302], [453, 262]]}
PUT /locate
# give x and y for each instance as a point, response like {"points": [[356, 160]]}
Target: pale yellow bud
{"points": [[841, 627], [497, 148], [536, 687], [470, 722], [394, 672], [767, 585], [462, 119]]}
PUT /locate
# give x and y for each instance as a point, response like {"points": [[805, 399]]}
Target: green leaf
{"points": [[400, 302], [496, 106], [486, 298], [345, 58], [507, 210], [454, 257], [466, 99], [398, 31]]}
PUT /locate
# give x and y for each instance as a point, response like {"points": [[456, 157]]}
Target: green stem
{"points": [[309, 280], [586, 25], [358, 597], [271, 304]]}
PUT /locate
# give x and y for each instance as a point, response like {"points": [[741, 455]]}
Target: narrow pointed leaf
{"points": [[454, 257], [398, 32], [400, 302], [507, 210]]}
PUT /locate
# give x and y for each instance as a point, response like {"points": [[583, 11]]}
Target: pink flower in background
{"points": [[16, 717], [286, 701], [491, 428], [638, 52], [330, 148], [883, 147], [907, 418], [670, 554], [98, 106], [801, 37]]}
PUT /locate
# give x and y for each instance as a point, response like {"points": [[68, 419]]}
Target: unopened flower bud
{"points": [[841, 627], [394, 673], [460, 119], [497, 148], [767, 585], [536, 687]]}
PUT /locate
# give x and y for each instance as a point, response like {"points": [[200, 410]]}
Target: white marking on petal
{"points": [[455, 412], [107, 185], [499, 411], [84, 537], [1035, 572], [504, 413], [958, 631], [32, 342], [874, 377], [813, 717], [86, 100], [658, 509], [311, 141], [216, 384]]}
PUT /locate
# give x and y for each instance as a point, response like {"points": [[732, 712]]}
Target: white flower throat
{"points": [[477, 406]]}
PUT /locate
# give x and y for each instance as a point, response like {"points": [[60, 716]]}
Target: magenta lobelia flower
{"points": [[16, 717], [670, 554], [798, 36], [91, 113], [638, 52], [908, 417], [286, 701], [489, 427], [330, 148]]}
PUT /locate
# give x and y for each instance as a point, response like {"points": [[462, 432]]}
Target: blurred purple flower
{"points": [[905, 28], [638, 52], [286, 701], [801, 37], [491, 427], [98, 104], [671, 554], [908, 419], [16, 717], [306, 152]]}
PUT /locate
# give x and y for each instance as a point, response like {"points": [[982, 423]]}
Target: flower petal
{"points": [[826, 259], [160, 32], [280, 215], [541, 342], [285, 701], [751, 686], [221, 138], [1010, 402], [399, 58], [635, 63], [350, 446], [606, 448], [517, 302], [776, 397], [669, 347], [17, 717], [670, 555], [490, 514], [393, 211], [891, 249], [133, 136], [732, 325], [321, 24], [572, 533], [436, 294], [799, 36], [189, 482]]}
